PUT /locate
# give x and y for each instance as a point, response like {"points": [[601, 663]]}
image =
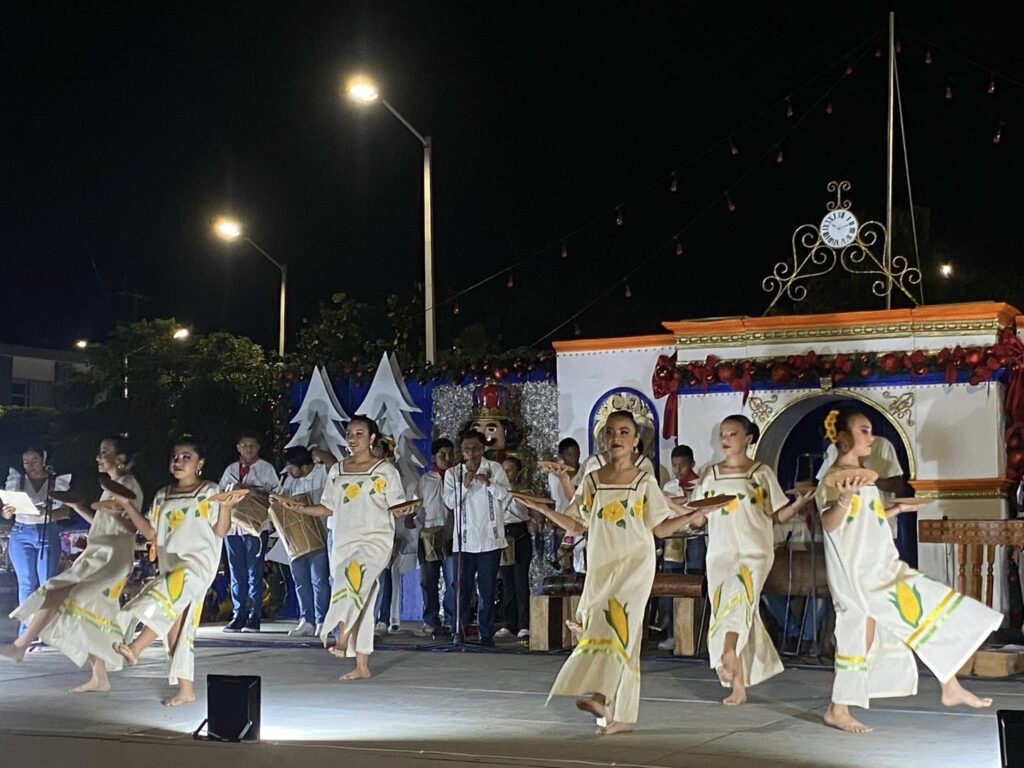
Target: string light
{"points": [[455, 308], [619, 219], [898, 47], [576, 328], [946, 270], [928, 57], [998, 135], [849, 70], [789, 107], [949, 91], [729, 203], [673, 185], [733, 149], [628, 292], [991, 84], [509, 283], [679, 247], [778, 155], [878, 53], [828, 107], [565, 252]]}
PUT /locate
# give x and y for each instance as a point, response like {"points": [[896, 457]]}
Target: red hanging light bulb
{"points": [[509, 283], [455, 308], [628, 292], [679, 247], [878, 52], [928, 57], [565, 252], [674, 184], [849, 70], [998, 135], [576, 329], [619, 218], [789, 107], [991, 85], [828, 107], [778, 155], [729, 203], [733, 149], [898, 47], [949, 91]]}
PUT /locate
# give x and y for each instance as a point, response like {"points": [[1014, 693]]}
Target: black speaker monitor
{"points": [[233, 707]]}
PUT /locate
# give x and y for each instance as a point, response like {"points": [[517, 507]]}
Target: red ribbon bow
{"points": [[665, 383]]}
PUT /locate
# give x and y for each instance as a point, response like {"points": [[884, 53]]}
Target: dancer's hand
{"points": [[233, 498], [288, 503], [7, 512]]}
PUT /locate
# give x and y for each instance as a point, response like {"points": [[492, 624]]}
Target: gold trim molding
{"points": [[966, 488]]}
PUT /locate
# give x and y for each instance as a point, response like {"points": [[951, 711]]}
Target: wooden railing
{"points": [[975, 542]]}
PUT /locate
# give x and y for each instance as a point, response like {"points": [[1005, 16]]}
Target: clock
{"points": [[839, 228]]}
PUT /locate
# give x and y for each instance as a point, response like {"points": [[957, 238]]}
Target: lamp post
{"points": [[362, 90], [180, 333], [229, 229]]}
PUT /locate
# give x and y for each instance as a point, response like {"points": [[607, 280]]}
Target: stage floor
{"points": [[468, 708]]}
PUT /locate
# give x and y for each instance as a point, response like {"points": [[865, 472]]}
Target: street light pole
{"points": [[284, 292]]}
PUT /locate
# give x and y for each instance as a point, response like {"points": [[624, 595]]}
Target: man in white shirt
{"points": [[246, 552], [477, 491], [435, 521]]}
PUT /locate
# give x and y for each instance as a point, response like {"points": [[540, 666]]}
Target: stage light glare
{"points": [[227, 228], [362, 89], [946, 270]]}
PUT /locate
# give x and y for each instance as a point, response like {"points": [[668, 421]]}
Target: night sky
{"points": [[124, 132]]}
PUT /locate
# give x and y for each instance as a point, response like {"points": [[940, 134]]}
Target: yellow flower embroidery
{"points": [[908, 603], [639, 507], [618, 619], [175, 518], [197, 615], [175, 583], [878, 509], [732, 506], [760, 495], [156, 514], [354, 573], [203, 511], [614, 512], [854, 508], [114, 590], [349, 492], [747, 581], [379, 484]]}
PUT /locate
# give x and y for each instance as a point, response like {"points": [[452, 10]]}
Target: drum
{"points": [[73, 542], [251, 512], [434, 545], [300, 534]]}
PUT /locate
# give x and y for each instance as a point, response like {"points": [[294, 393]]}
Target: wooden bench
{"points": [[975, 543]]}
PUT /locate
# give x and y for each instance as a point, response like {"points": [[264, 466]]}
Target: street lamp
{"points": [[229, 229], [363, 90], [82, 343], [180, 333]]}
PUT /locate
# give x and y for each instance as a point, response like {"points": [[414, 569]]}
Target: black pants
{"points": [[515, 580]]}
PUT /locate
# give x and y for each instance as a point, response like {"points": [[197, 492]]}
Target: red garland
{"points": [[665, 383]]}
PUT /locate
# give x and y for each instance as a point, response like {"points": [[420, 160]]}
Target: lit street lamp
{"points": [[362, 90], [180, 333], [229, 229]]}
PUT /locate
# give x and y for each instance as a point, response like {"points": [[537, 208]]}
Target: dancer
{"points": [[620, 506], [35, 543], [188, 529], [740, 555], [359, 491], [77, 612], [885, 610]]}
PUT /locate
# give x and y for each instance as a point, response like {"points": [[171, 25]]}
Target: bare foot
{"points": [[838, 716], [953, 694], [737, 697], [92, 686], [126, 652], [179, 699], [594, 707], [337, 652], [574, 626], [614, 727], [356, 674], [11, 652]]}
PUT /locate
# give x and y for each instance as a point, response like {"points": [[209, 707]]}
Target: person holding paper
{"points": [[35, 541]]}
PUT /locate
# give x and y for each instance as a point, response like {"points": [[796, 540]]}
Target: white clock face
{"points": [[838, 228]]}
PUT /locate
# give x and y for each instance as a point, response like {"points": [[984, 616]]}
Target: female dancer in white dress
{"points": [[885, 610], [77, 612], [188, 530], [358, 493], [740, 555], [622, 508]]}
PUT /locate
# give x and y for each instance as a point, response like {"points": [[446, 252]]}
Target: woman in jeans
{"points": [[34, 546]]}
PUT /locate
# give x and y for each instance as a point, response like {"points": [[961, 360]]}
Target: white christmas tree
{"points": [[389, 404], [321, 419]]}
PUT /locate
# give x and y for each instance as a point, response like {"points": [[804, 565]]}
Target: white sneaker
{"points": [[318, 630], [667, 644], [523, 634], [380, 628], [305, 629], [502, 634]]}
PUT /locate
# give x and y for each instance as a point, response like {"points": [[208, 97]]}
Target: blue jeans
{"points": [[245, 561], [484, 567], [34, 558], [798, 623], [430, 581], [312, 587]]}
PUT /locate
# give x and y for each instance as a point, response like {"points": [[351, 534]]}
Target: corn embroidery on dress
{"points": [[188, 553], [364, 536], [740, 555], [912, 613], [90, 620], [620, 573]]}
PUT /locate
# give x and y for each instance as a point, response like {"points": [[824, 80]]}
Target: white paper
{"points": [[21, 502]]}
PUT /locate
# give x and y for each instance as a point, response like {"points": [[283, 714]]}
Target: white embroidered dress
{"points": [[364, 537], [620, 550], [90, 620], [740, 555], [188, 553], [912, 613]]}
